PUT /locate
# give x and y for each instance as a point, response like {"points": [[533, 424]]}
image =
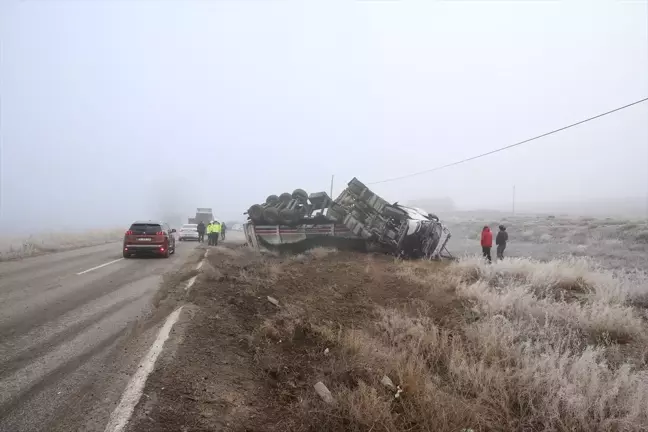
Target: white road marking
{"points": [[99, 266], [122, 414], [193, 279], [190, 283]]}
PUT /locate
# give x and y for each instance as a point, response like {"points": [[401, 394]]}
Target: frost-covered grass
{"points": [[546, 346], [540, 229], [517, 345], [574, 291], [617, 243], [22, 247]]}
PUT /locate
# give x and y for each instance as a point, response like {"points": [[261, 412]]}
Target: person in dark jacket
{"points": [[487, 243], [201, 231], [500, 241], [223, 228]]}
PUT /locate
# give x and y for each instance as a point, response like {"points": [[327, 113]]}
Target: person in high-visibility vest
{"points": [[210, 233], [217, 231]]}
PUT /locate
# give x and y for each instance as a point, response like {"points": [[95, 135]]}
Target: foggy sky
{"points": [[120, 110]]}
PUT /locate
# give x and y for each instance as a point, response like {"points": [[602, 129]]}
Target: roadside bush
{"points": [[642, 237]]}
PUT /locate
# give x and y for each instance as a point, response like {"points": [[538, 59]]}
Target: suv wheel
{"points": [[126, 255]]}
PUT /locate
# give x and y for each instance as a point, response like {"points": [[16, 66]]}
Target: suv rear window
{"points": [[146, 228]]}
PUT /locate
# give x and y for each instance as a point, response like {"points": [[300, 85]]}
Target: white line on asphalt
{"points": [[99, 266], [120, 416], [190, 283], [200, 264]]}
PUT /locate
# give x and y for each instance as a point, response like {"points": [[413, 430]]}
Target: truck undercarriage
{"points": [[356, 217]]}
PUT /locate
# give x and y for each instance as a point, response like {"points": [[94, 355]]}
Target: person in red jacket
{"points": [[487, 243]]}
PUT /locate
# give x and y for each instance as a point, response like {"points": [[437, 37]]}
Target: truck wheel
{"points": [[288, 216], [300, 194], [256, 213], [271, 215], [272, 199], [285, 197]]}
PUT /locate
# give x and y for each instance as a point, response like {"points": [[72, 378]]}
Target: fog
{"points": [[120, 110]]}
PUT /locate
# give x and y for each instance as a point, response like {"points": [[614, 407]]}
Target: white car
{"points": [[188, 232]]}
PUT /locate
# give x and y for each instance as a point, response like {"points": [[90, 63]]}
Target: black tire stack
{"points": [[284, 209]]}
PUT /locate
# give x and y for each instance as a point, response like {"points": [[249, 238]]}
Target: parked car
{"points": [[150, 238], [188, 232]]}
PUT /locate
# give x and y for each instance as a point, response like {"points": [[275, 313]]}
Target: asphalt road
{"points": [[68, 341]]}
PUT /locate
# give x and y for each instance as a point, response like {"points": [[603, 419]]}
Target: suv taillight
{"points": [[159, 233], [129, 232]]}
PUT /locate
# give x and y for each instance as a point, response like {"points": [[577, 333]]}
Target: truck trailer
{"points": [[204, 215]]}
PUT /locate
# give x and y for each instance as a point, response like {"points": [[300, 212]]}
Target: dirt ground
{"points": [[246, 364]]}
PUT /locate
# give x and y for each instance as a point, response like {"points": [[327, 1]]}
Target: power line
{"points": [[510, 146]]}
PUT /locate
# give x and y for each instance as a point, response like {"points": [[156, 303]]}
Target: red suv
{"points": [[149, 237]]}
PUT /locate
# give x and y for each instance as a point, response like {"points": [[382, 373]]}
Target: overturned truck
{"points": [[356, 218]]}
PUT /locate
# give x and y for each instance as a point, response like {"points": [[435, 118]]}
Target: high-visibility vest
{"points": [[210, 228], [217, 228]]}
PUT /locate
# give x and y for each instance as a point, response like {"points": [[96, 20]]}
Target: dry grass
{"points": [[517, 345], [16, 248]]}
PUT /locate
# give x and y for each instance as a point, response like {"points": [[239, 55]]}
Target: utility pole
{"points": [[513, 209], [332, 177]]}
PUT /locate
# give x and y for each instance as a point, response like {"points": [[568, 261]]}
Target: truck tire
{"points": [[272, 199], [288, 216], [300, 194], [271, 215], [256, 213], [285, 197]]}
